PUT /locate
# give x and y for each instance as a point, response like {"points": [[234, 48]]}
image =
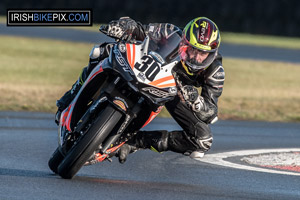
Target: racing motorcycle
{"points": [[122, 94]]}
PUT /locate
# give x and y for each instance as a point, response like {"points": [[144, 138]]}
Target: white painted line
{"points": [[218, 159]]}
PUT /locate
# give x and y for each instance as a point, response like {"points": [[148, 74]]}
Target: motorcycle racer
{"points": [[200, 66]]}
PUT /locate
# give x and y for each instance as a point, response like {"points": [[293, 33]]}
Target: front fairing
{"points": [[70, 114], [139, 67], [145, 70], [119, 63]]}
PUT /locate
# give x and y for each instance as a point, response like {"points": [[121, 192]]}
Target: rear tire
{"points": [[55, 160], [85, 147]]}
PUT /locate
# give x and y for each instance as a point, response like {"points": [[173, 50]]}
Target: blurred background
{"points": [[260, 47], [279, 17]]}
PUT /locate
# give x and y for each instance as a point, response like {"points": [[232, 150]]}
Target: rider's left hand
{"points": [[122, 28]]}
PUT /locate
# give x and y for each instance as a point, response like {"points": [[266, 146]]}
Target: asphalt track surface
{"points": [[28, 140], [227, 50]]}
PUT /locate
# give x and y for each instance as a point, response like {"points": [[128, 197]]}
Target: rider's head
{"points": [[199, 46]]}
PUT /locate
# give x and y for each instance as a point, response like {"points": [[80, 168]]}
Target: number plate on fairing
{"points": [[148, 70]]}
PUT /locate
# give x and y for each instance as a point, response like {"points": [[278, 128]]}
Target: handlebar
{"points": [[103, 28]]}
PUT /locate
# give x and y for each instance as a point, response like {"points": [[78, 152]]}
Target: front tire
{"points": [[55, 160], [85, 147]]}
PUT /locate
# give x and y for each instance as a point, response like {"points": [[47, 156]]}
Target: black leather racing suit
{"points": [[196, 134]]}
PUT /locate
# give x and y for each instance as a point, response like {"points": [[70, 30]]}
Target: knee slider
{"points": [[205, 144]]}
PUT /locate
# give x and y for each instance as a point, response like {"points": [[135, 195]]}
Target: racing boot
{"points": [[154, 140], [124, 151], [160, 141]]}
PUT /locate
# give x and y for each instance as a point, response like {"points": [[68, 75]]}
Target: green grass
{"points": [[261, 90], [261, 40], [36, 72], [227, 37], [241, 38], [2, 19]]}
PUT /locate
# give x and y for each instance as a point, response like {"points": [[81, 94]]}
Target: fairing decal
{"points": [[164, 82], [152, 116], [147, 69], [67, 114], [66, 117], [131, 54], [120, 104], [95, 74]]}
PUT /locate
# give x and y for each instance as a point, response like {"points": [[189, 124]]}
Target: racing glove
{"points": [[125, 29], [192, 98]]}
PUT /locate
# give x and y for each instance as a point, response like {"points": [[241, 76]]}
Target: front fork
{"points": [[110, 145], [128, 119]]}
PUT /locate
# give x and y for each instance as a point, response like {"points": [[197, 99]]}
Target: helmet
{"points": [[201, 38]]}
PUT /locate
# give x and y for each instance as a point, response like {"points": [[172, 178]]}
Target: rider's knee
{"points": [[200, 134]]}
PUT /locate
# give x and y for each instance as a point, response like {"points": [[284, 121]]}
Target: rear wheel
{"points": [[85, 147]]}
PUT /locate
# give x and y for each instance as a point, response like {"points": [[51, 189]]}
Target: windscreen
{"points": [[166, 47]]}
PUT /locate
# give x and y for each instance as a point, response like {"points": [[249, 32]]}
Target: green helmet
{"points": [[201, 36]]}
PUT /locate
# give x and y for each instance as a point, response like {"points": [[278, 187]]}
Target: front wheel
{"points": [[85, 147], [55, 160]]}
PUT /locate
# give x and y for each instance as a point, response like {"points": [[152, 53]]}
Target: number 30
{"points": [[149, 67]]}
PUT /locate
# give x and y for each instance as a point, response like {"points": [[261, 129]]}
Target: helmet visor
{"points": [[193, 57]]}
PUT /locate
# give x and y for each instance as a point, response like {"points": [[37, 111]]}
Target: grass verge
{"points": [[35, 73], [227, 37], [261, 40]]}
